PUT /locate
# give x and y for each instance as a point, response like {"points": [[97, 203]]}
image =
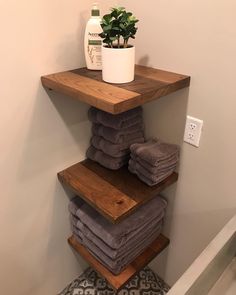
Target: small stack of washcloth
{"points": [[153, 160], [112, 136], [117, 245]]}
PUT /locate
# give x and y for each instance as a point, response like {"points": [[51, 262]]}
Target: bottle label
{"points": [[95, 42], [95, 49]]}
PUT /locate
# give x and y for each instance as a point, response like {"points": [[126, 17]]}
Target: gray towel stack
{"points": [[117, 245], [153, 160], [113, 135]]}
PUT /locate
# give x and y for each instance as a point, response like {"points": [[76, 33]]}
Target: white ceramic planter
{"points": [[118, 64]]}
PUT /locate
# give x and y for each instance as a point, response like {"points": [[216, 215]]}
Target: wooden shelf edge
{"points": [[112, 201], [88, 87], [118, 281], [49, 83]]}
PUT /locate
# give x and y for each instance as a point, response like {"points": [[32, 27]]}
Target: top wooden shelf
{"points": [[87, 86]]}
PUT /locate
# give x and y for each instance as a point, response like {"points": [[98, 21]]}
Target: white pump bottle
{"points": [[92, 41]]}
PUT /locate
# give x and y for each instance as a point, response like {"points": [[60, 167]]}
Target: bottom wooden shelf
{"points": [[118, 281]]}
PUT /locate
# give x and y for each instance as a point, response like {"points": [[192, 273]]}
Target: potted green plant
{"points": [[118, 56]]}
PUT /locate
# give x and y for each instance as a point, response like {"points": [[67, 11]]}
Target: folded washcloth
{"points": [[116, 235], [117, 266], [162, 165], [119, 121], [106, 160], [118, 136], [106, 249], [114, 150], [154, 151], [155, 178], [146, 180]]}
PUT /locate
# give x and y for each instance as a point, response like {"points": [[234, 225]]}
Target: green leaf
{"points": [[102, 35], [114, 14], [119, 23], [107, 18], [113, 33], [107, 28], [118, 9], [107, 41]]}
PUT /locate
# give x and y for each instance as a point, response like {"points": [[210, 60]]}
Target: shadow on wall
{"points": [[54, 134], [144, 60], [165, 119], [58, 127], [47, 133]]}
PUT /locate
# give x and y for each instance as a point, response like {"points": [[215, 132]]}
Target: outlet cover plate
{"points": [[193, 131]]}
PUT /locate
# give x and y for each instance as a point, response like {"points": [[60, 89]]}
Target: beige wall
{"points": [[195, 38], [40, 135]]}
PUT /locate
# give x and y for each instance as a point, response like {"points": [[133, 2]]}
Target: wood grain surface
{"points": [[118, 281], [88, 86], [115, 194]]}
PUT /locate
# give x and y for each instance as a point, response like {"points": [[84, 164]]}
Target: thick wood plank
{"points": [[98, 94], [88, 86], [159, 75], [104, 197], [129, 183], [118, 281], [140, 85], [115, 194]]}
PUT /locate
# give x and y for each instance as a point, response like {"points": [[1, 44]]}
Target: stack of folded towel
{"points": [[113, 135], [117, 245], [153, 160]]}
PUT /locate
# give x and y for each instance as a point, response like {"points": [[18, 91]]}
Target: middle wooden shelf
{"points": [[115, 194]]}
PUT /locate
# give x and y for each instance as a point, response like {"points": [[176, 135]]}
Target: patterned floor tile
{"points": [[146, 282]]}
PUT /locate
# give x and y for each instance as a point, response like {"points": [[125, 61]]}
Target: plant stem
{"points": [[118, 41]]}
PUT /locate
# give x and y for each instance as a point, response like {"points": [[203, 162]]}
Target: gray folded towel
{"points": [[117, 266], [74, 204], [154, 151], [116, 235], [106, 249], [77, 234], [106, 160], [75, 230], [97, 144], [118, 136], [114, 150], [171, 163], [146, 180], [155, 178], [119, 121]]}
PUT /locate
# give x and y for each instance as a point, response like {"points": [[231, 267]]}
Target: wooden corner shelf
{"points": [[88, 86], [115, 194], [118, 281]]}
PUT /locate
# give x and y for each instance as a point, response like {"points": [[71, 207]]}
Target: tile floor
{"points": [[146, 282]]}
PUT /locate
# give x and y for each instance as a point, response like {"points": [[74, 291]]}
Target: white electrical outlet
{"points": [[193, 130]]}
